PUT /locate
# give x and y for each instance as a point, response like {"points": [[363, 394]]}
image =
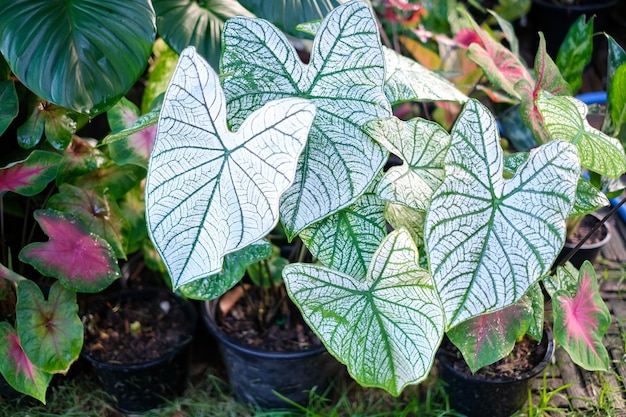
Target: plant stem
{"points": [[10, 275]]}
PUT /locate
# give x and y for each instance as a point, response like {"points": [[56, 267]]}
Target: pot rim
{"points": [[596, 245], [597, 5], [187, 307], [550, 347], [207, 310]]}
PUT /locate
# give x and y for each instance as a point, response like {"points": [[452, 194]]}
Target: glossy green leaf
{"points": [[407, 80], [386, 326], [30, 133], [80, 260], [616, 58], [269, 272], [486, 339], [9, 105], [99, 212], [50, 331], [136, 147], [575, 52], [30, 176], [211, 191], [80, 54], [422, 146], [187, 22], [617, 98], [347, 240], [581, 320], [566, 119], [234, 269], [17, 369], [344, 79], [287, 14], [489, 239], [59, 127]]}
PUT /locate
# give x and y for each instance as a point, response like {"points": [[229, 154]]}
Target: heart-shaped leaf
{"points": [[17, 369], [235, 265], [386, 327], [347, 240], [79, 54], [50, 331], [187, 22], [400, 216], [566, 118], [9, 105], [580, 321], [407, 80], [30, 176], [211, 191], [422, 145], [344, 79], [488, 338], [82, 261], [136, 148], [490, 239]]}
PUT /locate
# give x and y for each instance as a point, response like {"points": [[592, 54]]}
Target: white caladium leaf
{"points": [[211, 191], [407, 80], [344, 79], [566, 118], [400, 216], [422, 145], [347, 240], [385, 327], [490, 239]]}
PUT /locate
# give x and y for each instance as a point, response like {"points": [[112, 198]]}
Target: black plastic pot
{"points": [[140, 387], [256, 375], [475, 396], [588, 251], [554, 20]]}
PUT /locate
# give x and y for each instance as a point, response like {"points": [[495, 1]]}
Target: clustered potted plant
{"points": [[474, 232]]}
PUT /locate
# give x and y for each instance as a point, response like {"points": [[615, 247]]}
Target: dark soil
{"points": [[135, 330], [526, 354], [277, 327], [583, 229]]}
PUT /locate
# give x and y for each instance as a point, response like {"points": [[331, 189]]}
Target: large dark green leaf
{"points": [[575, 52], [287, 14], [187, 22], [80, 54]]}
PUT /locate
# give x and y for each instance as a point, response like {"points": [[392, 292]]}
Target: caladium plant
{"points": [[271, 139]]}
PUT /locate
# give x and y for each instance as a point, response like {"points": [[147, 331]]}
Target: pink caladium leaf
{"points": [[17, 369], [81, 260], [99, 211], [488, 338], [503, 68], [136, 148], [549, 79], [50, 331], [580, 321], [30, 176]]}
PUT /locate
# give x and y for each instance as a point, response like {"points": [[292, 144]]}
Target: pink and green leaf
{"points": [[30, 176], [17, 369], [99, 212], [51, 332], [548, 78], [580, 321], [80, 158], [81, 260], [136, 147], [488, 338]]}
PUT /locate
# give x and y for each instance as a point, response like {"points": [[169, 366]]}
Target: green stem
{"points": [[10, 275]]}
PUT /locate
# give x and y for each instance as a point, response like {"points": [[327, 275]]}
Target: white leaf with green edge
{"points": [[489, 238], [488, 338], [407, 80], [566, 118], [234, 269], [386, 327], [400, 216], [347, 240], [588, 198], [344, 79], [211, 191], [580, 321], [17, 369], [50, 331], [422, 145]]}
